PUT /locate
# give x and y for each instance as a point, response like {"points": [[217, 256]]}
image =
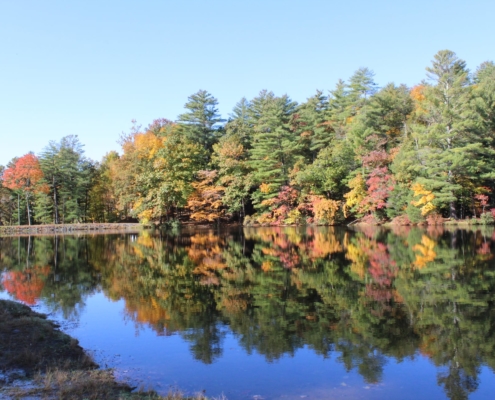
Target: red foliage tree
{"points": [[380, 183], [24, 175]]}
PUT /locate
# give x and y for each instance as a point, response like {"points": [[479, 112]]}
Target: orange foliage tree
{"points": [[205, 203], [24, 175]]}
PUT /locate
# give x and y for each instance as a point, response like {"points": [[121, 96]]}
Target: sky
{"points": [[88, 68]]}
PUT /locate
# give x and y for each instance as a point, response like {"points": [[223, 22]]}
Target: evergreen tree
{"points": [[361, 87], [67, 174], [200, 122], [339, 109], [274, 146], [311, 125], [448, 146], [240, 123]]}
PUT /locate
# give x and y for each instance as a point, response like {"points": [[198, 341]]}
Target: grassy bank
{"points": [[38, 361]]}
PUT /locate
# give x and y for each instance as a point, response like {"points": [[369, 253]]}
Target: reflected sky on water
{"points": [[273, 312]]}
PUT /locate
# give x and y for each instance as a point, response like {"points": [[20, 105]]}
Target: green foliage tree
{"points": [[200, 122], [164, 185], [275, 148], [67, 173], [447, 143], [231, 158]]}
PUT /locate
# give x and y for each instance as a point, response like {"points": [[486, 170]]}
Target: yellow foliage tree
{"points": [[324, 210], [147, 144], [426, 199], [357, 193]]}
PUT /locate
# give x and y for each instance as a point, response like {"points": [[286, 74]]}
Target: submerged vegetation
{"points": [[359, 297], [400, 154]]}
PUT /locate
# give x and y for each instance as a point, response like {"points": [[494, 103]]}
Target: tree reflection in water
{"points": [[361, 296]]}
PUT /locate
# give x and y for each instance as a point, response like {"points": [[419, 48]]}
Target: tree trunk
{"points": [[453, 211], [55, 204], [28, 210]]}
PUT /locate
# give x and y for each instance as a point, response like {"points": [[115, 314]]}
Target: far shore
{"points": [[95, 228], [69, 228]]}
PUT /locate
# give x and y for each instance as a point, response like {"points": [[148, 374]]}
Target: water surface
{"points": [[273, 313]]}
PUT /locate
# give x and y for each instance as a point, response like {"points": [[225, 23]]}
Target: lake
{"points": [[273, 313]]}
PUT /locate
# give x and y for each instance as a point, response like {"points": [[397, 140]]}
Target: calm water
{"points": [[273, 313]]}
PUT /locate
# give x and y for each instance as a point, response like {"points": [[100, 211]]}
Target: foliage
{"points": [[205, 203], [325, 211], [356, 196], [25, 175], [425, 202], [487, 219], [200, 121], [382, 153]]}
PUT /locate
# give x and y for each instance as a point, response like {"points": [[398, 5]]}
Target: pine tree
{"points": [[339, 109], [240, 123], [361, 87], [200, 122], [274, 145], [311, 125], [447, 144], [66, 173]]}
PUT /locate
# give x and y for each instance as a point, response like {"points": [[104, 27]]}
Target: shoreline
{"points": [[42, 362], [117, 227], [69, 228]]}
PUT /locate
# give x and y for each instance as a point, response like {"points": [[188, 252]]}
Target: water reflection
{"points": [[362, 296]]}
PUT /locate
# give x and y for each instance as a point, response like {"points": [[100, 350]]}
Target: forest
{"points": [[360, 152]]}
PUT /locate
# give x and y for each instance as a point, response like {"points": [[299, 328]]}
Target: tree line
{"points": [[359, 152]]}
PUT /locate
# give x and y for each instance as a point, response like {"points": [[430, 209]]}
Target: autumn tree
{"points": [[165, 182], [205, 203], [24, 175], [234, 173]]}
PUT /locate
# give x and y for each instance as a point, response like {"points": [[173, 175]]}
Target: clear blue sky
{"points": [[89, 67]]}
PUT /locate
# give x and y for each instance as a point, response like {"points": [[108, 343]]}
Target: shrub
{"points": [[326, 211], [266, 219], [293, 217], [487, 218], [434, 219], [248, 221], [370, 219], [414, 214], [401, 220]]}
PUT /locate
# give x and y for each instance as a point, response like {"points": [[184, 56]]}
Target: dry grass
{"points": [[87, 385]]}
